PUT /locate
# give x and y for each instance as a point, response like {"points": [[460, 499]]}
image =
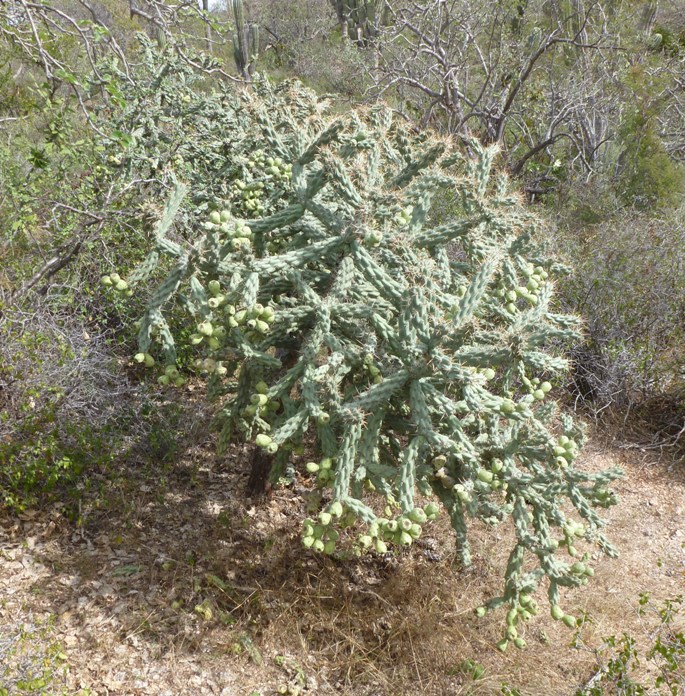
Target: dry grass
{"points": [[174, 582]]}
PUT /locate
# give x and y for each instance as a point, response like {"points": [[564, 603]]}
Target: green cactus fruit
{"points": [[404, 524], [365, 540], [225, 215], [485, 476], [318, 545], [259, 399], [405, 539], [519, 643], [512, 616], [215, 217], [418, 515], [502, 645], [557, 612], [214, 287], [481, 612], [139, 357], [489, 373], [546, 387], [121, 285], [323, 418], [308, 541], [319, 531], [512, 633], [106, 280], [115, 278], [380, 546], [432, 511], [271, 448], [326, 463], [507, 407], [262, 440], [163, 380], [205, 328], [213, 343], [325, 518], [336, 508], [578, 568], [329, 547], [415, 531], [569, 621], [312, 467]]}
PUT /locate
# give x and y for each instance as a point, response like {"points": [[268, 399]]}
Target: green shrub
{"points": [[628, 284], [620, 656]]}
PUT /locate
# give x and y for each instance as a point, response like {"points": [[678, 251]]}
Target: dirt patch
{"points": [[170, 581]]}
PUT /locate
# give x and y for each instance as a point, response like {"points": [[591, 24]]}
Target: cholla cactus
{"points": [[378, 296]]}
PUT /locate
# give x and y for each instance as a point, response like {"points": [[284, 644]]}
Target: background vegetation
{"points": [[102, 105]]}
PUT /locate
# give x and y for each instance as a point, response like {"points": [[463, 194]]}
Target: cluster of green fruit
{"points": [[260, 404], [116, 282], [255, 319], [171, 376], [321, 535], [238, 232], [536, 388], [487, 480], [522, 610], [402, 530], [566, 451], [403, 218], [266, 443], [248, 197], [535, 276], [323, 470], [369, 371], [210, 366], [571, 530], [263, 172], [145, 358]]}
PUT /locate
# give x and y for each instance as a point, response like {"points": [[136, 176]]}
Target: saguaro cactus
{"points": [[359, 19], [412, 350], [245, 41]]}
